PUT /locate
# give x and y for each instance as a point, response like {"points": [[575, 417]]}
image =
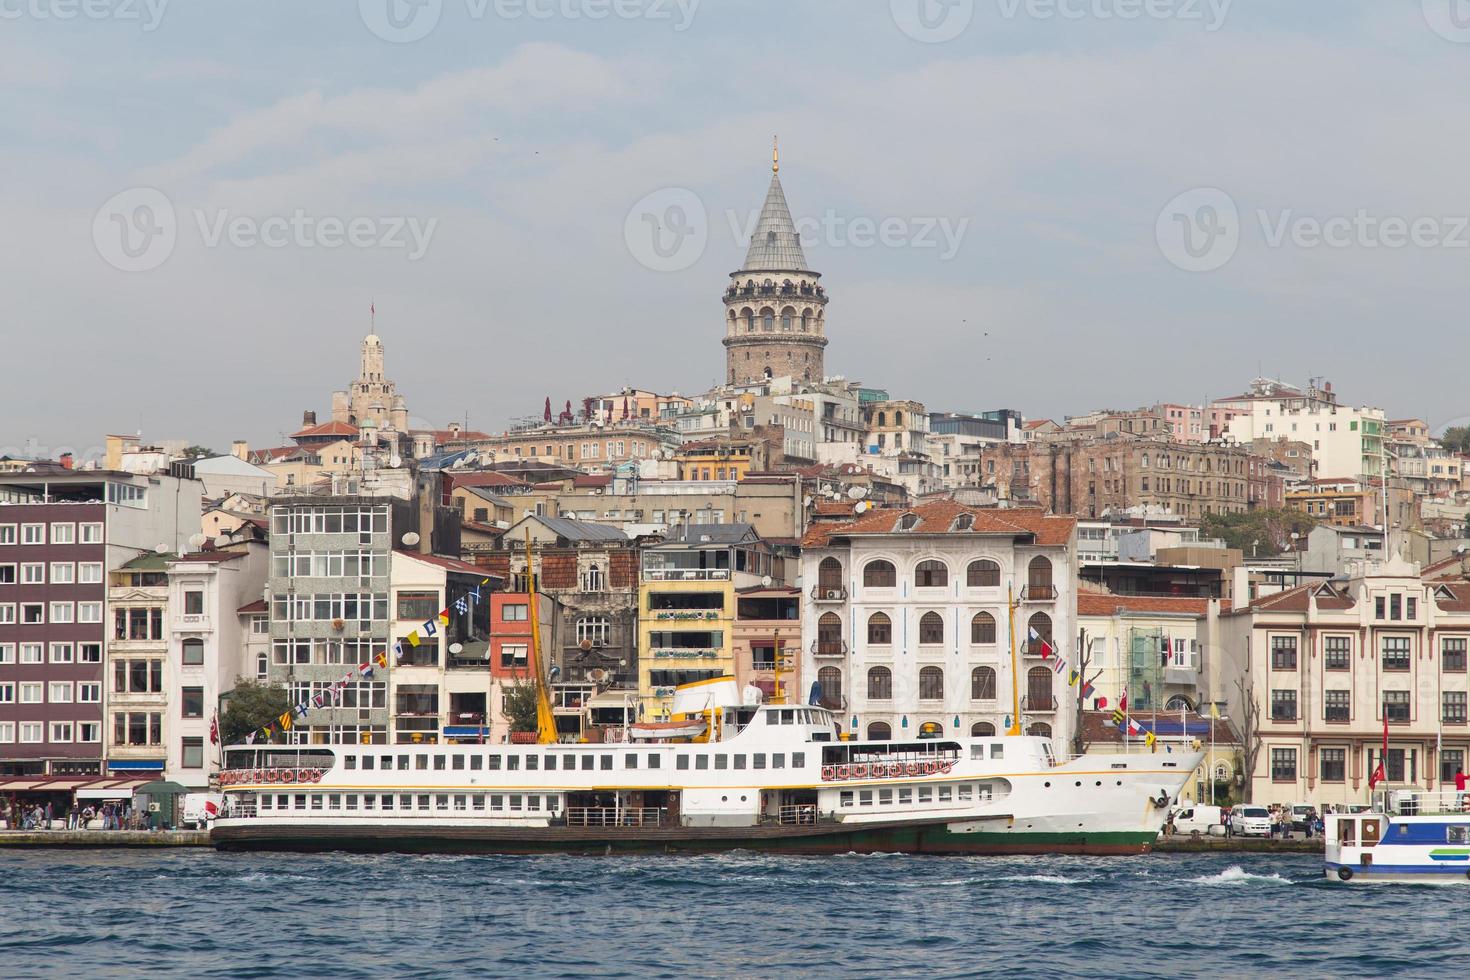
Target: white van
{"points": [[1250, 820], [200, 809], [1199, 818]]}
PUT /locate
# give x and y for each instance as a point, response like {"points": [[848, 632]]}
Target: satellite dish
{"points": [[585, 645], [861, 506], [456, 648], [395, 461], [410, 538], [857, 493], [222, 540], [597, 675], [160, 548], [766, 581], [807, 501], [196, 541]]}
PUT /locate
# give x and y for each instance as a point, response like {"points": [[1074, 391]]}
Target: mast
{"points": [[545, 721], [1015, 728]]}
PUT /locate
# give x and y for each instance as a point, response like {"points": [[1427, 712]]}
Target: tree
{"points": [[250, 707], [1084, 661], [1250, 737], [1456, 439], [1258, 533], [519, 707], [194, 452]]}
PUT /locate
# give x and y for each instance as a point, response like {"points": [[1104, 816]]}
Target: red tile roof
{"points": [[333, 429], [939, 518], [1103, 604], [452, 564], [258, 606], [1296, 600], [592, 480]]}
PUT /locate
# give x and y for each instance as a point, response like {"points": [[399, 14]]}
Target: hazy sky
{"points": [[544, 197]]}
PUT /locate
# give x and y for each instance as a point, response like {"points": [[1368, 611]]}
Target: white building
{"points": [[1346, 442], [907, 630]]}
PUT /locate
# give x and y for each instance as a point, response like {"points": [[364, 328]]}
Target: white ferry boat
{"points": [[1407, 836], [769, 777]]}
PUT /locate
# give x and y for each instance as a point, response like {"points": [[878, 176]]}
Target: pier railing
{"points": [[607, 816]]}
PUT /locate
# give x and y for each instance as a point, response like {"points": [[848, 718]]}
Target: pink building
{"points": [[1195, 423]]}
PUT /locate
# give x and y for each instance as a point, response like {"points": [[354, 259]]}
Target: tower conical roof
{"points": [[775, 246]]}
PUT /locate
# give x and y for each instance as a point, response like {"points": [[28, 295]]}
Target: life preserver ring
{"points": [[913, 768], [309, 776], [288, 775], [860, 771], [931, 767], [827, 772], [841, 772], [1346, 874], [270, 775]]}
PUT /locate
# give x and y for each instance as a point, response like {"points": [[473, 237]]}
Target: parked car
{"points": [[1249, 820], [1199, 818], [1299, 812], [200, 809]]}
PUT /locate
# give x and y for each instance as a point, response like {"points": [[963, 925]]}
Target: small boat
{"points": [[1407, 836]]}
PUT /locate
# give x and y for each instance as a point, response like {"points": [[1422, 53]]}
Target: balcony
{"points": [[1032, 592], [686, 575], [1037, 705], [468, 663], [829, 593], [686, 653], [829, 648], [686, 615], [1033, 650]]}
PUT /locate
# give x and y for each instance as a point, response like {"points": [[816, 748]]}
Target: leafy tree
{"points": [[250, 707], [1262, 533], [193, 452], [1456, 438], [520, 707]]}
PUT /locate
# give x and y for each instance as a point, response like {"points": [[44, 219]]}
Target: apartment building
{"points": [[1162, 650], [1347, 442], [61, 531], [909, 628], [1324, 665]]}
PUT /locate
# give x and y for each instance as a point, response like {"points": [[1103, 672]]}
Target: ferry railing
{"points": [[1409, 803], [607, 816], [801, 814]]}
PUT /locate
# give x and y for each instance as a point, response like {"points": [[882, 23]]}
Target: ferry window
{"points": [[316, 801], [550, 762], [845, 799], [387, 802], [964, 791], [515, 803], [983, 792], [458, 761], [405, 802], [607, 761], [788, 716], [351, 801], [773, 717], [682, 762], [977, 751], [654, 761], [701, 762], [778, 760], [905, 795], [1457, 834], [478, 802], [586, 762], [865, 797], [370, 801], [385, 762], [459, 802], [300, 803], [997, 750], [798, 760], [349, 762], [476, 762], [513, 762], [439, 763], [944, 794], [533, 761], [283, 802], [632, 760], [494, 761], [267, 803], [925, 794], [740, 760], [367, 762], [421, 762], [533, 803], [721, 761], [758, 761], [497, 802], [424, 801], [441, 802], [403, 762], [885, 797], [569, 762]]}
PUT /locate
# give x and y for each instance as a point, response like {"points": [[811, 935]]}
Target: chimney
{"points": [[308, 419], [240, 449], [67, 461]]}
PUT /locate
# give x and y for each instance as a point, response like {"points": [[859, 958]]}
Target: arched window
{"points": [[1038, 578], [882, 419], [1040, 623], [982, 684], [908, 522], [768, 321], [829, 686], [1178, 703], [931, 628], [806, 321], [592, 580], [829, 635], [593, 629], [829, 576], [748, 315], [982, 629], [879, 731], [787, 315], [1039, 729], [982, 573], [193, 651], [262, 668], [931, 684], [982, 729], [931, 573], [898, 418], [880, 684], [931, 729], [879, 574], [1038, 689], [880, 629], [964, 522]]}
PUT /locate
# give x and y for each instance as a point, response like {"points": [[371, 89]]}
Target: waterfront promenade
{"points": [[104, 838]]}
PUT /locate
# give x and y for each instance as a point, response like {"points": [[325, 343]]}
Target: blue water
{"points": [[202, 914]]}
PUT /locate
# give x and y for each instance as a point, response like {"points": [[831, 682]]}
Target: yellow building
{"points": [[720, 459], [687, 606]]}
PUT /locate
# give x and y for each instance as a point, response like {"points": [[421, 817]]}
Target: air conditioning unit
{"points": [[834, 593]]}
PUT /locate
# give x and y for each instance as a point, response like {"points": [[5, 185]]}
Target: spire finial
{"points": [[775, 155]]}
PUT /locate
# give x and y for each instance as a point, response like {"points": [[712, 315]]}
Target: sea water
{"points": [[198, 913]]}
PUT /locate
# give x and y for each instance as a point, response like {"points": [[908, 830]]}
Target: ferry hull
{"points": [[929, 838]]}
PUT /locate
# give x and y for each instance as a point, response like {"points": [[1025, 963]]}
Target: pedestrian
{"points": [[1460, 787]]}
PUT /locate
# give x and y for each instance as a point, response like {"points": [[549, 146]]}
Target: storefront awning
{"points": [[81, 787]]}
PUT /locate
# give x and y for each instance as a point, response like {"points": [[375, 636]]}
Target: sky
{"points": [[1046, 205]]}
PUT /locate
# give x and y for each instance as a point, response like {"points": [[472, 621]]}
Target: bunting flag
{"points": [[444, 618], [1087, 690], [1102, 702], [381, 659], [1061, 665], [365, 670], [1149, 738], [1117, 716], [300, 710], [267, 731], [413, 638], [318, 701], [250, 739], [285, 721], [430, 627], [1072, 678], [461, 605], [1046, 648]]}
